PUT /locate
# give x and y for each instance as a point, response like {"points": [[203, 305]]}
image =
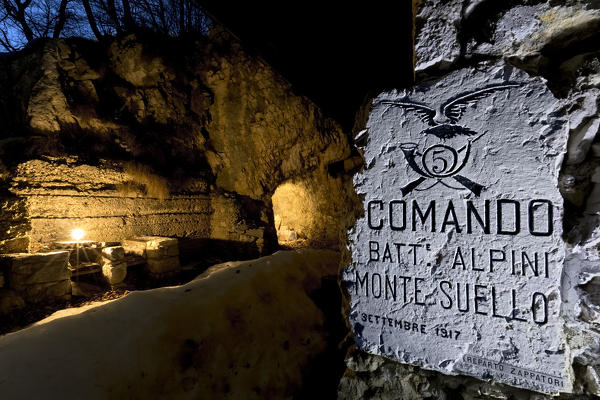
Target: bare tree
{"points": [[112, 14], [16, 11], [44, 18], [163, 17], [22, 21], [6, 42], [62, 17], [91, 18], [128, 20]]}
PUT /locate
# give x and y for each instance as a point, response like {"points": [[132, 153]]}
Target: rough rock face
{"points": [[151, 136], [308, 207], [558, 42], [242, 330], [377, 377]]}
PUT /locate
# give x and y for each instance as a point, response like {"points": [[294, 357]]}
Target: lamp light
{"points": [[77, 234]]}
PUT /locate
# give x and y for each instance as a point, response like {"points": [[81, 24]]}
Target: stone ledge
{"points": [[161, 253], [25, 269]]}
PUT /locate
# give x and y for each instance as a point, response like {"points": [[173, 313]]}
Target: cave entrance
{"points": [[292, 212], [306, 211]]}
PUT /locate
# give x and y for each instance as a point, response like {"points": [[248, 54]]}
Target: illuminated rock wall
{"points": [[152, 136], [308, 206]]}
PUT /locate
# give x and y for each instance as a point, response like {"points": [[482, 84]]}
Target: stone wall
{"points": [[557, 41], [151, 136]]}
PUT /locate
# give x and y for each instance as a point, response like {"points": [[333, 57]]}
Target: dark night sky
{"points": [[335, 55]]}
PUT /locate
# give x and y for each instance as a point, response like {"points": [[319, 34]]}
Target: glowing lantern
{"points": [[77, 234]]}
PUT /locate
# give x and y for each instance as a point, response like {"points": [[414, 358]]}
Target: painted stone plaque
{"points": [[457, 261]]}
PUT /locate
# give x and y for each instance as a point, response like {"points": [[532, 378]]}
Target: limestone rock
{"points": [[376, 377], [137, 247], [242, 330], [114, 272], [573, 189], [38, 277], [277, 152], [152, 246], [584, 138], [159, 247], [15, 244], [305, 205], [595, 150], [522, 33], [593, 199], [43, 292], [285, 234], [371, 376], [526, 30], [593, 380], [48, 108], [74, 64], [584, 126], [130, 63], [436, 42], [277, 220], [14, 225], [25, 269], [214, 114], [162, 254], [113, 253]]}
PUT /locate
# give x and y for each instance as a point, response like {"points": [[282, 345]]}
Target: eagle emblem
{"points": [[441, 161]]}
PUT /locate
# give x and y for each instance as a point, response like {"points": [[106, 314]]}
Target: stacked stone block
{"points": [[161, 254], [114, 267], [38, 277]]}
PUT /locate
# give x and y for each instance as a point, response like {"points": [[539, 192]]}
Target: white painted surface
{"points": [[517, 143]]}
